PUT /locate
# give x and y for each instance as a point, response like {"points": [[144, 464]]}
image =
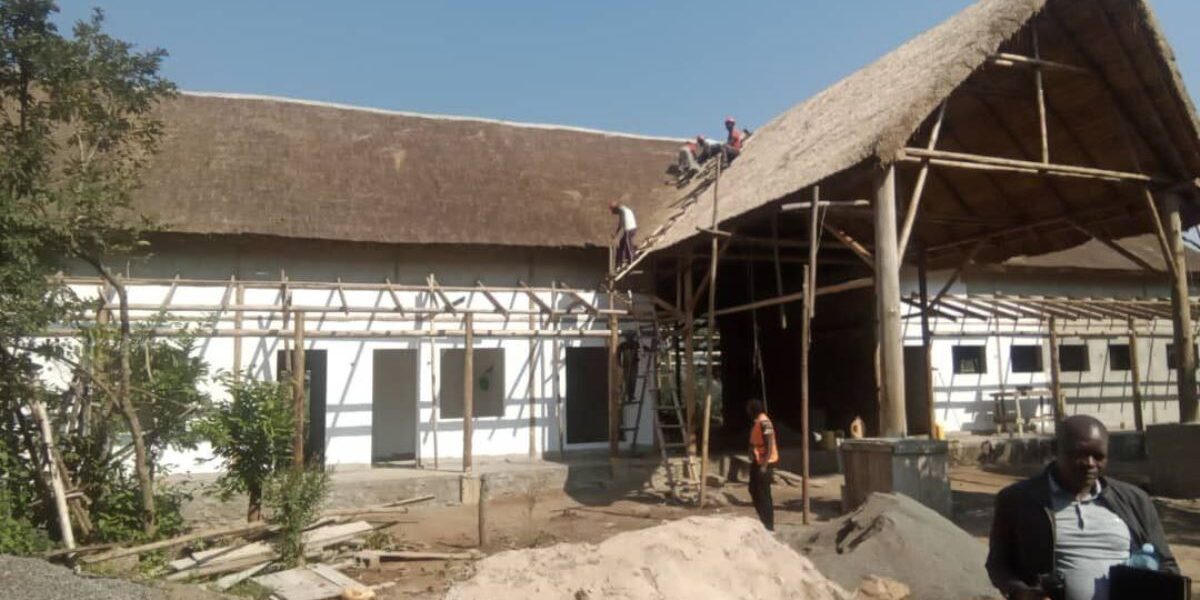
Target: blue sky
{"points": [[660, 68]]}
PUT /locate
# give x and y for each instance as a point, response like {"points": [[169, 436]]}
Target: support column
{"points": [[298, 392], [887, 277], [1185, 356], [614, 388], [1060, 402], [468, 391], [1135, 376], [927, 342]]}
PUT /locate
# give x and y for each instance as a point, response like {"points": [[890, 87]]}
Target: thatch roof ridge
{"points": [[870, 113]]}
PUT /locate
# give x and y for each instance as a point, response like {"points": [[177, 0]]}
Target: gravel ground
{"points": [[35, 579]]}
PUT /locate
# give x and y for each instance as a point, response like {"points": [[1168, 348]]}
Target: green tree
{"points": [[76, 130], [252, 434]]}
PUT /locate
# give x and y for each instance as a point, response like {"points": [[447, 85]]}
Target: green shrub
{"points": [[117, 513], [17, 534], [295, 498]]}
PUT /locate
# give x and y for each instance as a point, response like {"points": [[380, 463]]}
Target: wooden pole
{"points": [[814, 230], [532, 390], [556, 365], [910, 214], [887, 274], [805, 347], [298, 391], [708, 349], [468, 391], [778, 269], [1135, 375], [434, 404], [484, 500], [689, 358], [239, 299], [1041, 96], [1060, 402], [1185, 353], [927, 342], [56, 482], [614, 390]]}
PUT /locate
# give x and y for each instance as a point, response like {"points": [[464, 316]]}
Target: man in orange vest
{"points": [[764, 453]]}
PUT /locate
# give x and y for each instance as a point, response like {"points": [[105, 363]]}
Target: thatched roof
{"points": [[1096, 255], [866, 119], [267, 166]]}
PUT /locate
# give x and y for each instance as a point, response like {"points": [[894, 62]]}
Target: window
{"points": [[1171, 362], [1073, 358], [488, 400], [1118, 357], [969, 360], [1025, 359]]}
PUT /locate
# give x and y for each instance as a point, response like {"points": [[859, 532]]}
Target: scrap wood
{"points": [[395, 506], [233, 579], [175, 541], [227, 559], [413, 500], [314, 582], [372, 558]]}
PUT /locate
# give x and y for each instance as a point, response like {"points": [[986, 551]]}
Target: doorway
{"points": [[394, 405], [587, 395], [916, 390], [314, 391]]}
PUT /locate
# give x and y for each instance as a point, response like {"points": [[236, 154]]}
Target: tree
{"points": [[76, 130]]}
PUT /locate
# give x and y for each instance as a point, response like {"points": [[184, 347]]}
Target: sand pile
{"points": [[898, 537], [694, 558]]}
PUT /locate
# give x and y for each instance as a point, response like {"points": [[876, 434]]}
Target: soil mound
{"points": [[698, 557], [895, 536]]}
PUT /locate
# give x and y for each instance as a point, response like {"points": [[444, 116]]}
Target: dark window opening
{"points": [[1118, 357], [1025, 359], [488, 400], [969, 360], [1073, 358]]}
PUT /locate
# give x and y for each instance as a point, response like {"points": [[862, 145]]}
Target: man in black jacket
{"points": [[1056, 534]]}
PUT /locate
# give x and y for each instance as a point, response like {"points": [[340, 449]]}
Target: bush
{"points": [[295, 498], [117, 513], [17, 534], [252, 433]]}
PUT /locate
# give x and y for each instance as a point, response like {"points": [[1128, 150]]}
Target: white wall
{"points": [[349, 360]]}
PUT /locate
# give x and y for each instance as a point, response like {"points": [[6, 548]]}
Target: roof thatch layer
{"points": [[1095, 255], [870, 116], [253, 165]]}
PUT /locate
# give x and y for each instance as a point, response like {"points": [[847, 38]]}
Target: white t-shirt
{"points": [[628, 222]]}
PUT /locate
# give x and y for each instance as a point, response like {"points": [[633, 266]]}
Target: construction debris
{"points": [[313, 582], [228, 559], [372, 558]]}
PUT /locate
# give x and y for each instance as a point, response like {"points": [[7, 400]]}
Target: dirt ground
{"points": [[551, 518]]}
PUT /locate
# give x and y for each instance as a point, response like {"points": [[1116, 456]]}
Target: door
{"points": [[314, 388], [916, 386], [587, 395], [394, 405]]}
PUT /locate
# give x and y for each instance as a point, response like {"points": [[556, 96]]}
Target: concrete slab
{"points": [[1172, 450]]}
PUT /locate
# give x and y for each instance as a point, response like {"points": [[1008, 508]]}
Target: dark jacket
{"points": [[1021, 545]]}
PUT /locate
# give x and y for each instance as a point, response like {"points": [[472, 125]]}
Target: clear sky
{"points": [[657, 67]]}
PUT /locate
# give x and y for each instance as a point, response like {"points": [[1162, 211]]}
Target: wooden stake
{"points": [[556, 366], [814, 241], [1135, 375], [927, 342], [56, 482], [298, 392], [887, 274], [805, 348], [1060, 401], [1185, 353], [434, 396], [468, 392], [614, 390], [240, 299], [484, 500], [532, 390]]}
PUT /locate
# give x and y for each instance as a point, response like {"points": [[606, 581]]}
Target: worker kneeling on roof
{"points": [[764, 453]]}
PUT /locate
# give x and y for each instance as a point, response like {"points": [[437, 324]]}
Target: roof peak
{"points": [[437, 117]]}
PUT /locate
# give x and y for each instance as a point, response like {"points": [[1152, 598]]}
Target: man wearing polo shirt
{"points": [[764, 453], [1056, 535]]}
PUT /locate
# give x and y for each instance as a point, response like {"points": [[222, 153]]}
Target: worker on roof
{"points": [[764, 453], [733, 142], [627, 229], [694, 154]]}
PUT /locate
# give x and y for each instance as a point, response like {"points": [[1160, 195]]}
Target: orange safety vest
{"points": [[762, 425]]}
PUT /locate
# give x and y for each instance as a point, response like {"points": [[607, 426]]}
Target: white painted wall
{"points": [[349, 368]]}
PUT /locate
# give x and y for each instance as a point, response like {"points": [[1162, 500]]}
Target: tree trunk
{"points": [[254, 509]]}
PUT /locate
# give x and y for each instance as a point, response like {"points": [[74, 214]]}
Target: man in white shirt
{"points": [[627, 228]]}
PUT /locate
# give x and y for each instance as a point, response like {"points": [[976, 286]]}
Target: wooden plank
{"points": [[208, 534], [233, 579], [314, 582]]}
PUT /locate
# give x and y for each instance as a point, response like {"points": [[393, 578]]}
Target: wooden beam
{"points": [[828, 204], [1115, 247], [1060, 402], [546, 308], [1041, 94], [468, 375], [396, 304], [993, 163], [957, 273], [853, 284], [814, 243], [887, 275], [588, 306], [805, 348], [342, 296], [708, 346], [55, 477], [614, 390], [783, 324], [927, 344], [435, 289], [910, 214], [1164, 243], [238, 316], [854, 245], [1008, 59], [500, 308]]}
